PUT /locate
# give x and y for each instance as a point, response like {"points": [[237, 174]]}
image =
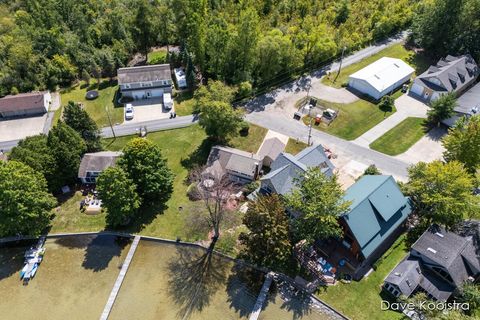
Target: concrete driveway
{"points": [[149, 109], [406, 107], [427, 149], [17, 129]]}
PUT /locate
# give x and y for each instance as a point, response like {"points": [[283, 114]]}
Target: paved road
{"points": [[274, 110], [153, 125]]}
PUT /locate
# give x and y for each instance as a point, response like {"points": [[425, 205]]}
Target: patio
{"points": [[337, 255]]}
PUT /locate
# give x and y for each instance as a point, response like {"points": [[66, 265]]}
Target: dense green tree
{"points": [[144, 27], [24, 200], [470, 293], [35, 152], [387, 103], [441, 108], [371, 170], [267, 241], [220, 120], [142, 160], [118, 195], [317, 201], [463, 143], [79, 120], [442, 192], [67, 147]]}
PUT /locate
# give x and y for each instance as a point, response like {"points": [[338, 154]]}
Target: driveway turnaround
{"points": [[427, 149], [406, 107]]}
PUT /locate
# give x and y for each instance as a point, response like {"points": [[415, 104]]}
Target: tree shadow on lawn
{"points": [[145, 215], [195, 276], [99, 249]]}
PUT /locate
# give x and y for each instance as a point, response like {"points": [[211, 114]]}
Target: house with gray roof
{"points": [[270, 150], [287, 168], [241, 166], [450, 74], [468, 104], [376, 217], [94, 163], [145, 82], [438, 264]]}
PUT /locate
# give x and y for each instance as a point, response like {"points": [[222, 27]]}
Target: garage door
{"points": [[417, 89]]}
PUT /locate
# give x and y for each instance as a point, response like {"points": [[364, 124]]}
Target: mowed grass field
{"points": [[183, 149], [400, 138], [418, 61], [353, 119], [97, 109]]}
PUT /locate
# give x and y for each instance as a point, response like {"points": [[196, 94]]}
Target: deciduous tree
{"points": [[317, 201], [25, 201], [442, 192], [441, 108], [463, 143], [142, 160], [118, 195], [267, 242]]}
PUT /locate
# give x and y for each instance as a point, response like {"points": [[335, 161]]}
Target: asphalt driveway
{"points": [[17, 129]]}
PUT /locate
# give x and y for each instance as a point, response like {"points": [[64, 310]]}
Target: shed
{"points": [[381, 77], [25, 104]]}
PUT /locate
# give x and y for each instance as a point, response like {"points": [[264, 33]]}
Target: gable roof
{"points": [[22, 101], [452, 73], [225, 158], [97, 162], [383, 73], [271, 148], [377, 208], [450, 251], [144, 74], [286, 168]]}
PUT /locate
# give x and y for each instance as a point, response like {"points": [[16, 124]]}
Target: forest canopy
{"points": [[46, 43]]}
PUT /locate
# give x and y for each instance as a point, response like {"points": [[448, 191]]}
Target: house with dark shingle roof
{"points": [[145, 82], [374, 221], [25, 104], [438, 264], [94, 163], [287, 168], [450, 74]]}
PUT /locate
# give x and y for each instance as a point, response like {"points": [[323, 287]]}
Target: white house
{"points": [[145, 82], [450, 74], [381, 77], [25, 104], [180, 78]]}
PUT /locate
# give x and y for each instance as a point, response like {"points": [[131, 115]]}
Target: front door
{"points": [[149, 94]]}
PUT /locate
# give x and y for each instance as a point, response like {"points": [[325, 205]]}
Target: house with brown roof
{"points": [[25, 104], [93, 164], [145, 82]]}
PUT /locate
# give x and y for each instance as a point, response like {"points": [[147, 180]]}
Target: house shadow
{"points": [[199, 156], [243, 286], [196, 275], [100, 249]]}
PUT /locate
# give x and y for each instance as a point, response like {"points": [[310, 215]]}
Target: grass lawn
{"points": [[353, 119], [183, 103], [361, 300], [252, 141], [96, 108], [400, 138], [419, 62], [183, 148], [157, 57], [294, 146]]}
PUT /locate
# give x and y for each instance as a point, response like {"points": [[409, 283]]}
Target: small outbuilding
{"points": [[180, 78], [381, 77]]}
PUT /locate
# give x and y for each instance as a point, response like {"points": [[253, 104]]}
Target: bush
{"points": [[244, 128], [192, 192], [244, 90], [252, 186]]}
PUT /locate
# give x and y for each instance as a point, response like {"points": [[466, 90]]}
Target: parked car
{"points": [[128, 111], [167, 101], [405, 88]]}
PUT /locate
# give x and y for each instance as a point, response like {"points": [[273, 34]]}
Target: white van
{"points": [[167, 101]]}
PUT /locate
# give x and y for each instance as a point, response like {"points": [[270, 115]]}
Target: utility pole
{"points": [[110, 121], [340, 67]]}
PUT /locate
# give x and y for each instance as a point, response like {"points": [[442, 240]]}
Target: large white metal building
{"points": [[381, 77]]}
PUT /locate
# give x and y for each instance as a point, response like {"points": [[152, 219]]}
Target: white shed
{"points": [[381, 77], [181, 78]]}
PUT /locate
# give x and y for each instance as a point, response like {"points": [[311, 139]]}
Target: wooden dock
{"points": [[257, 308], [119, 281]]}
